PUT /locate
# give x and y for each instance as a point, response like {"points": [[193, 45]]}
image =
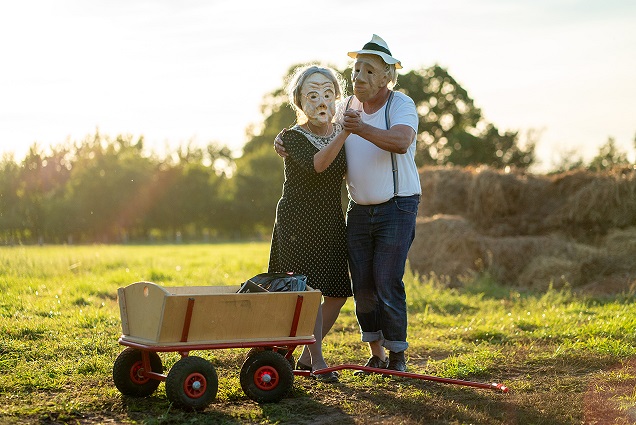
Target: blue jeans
{"points": [[379, 238]]}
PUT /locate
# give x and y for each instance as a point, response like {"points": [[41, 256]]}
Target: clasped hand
{"points": [[352, 121]]}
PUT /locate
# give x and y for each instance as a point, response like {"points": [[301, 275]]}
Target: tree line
{"points": [[112, 189]]}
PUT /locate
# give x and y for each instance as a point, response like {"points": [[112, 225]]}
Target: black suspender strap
{"points": [[394, 166]]}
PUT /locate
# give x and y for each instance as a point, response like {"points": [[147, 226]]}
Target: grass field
{"points": [[566, 359]]}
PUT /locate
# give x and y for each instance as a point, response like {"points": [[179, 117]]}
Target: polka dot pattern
{"points": [[309, 232]]}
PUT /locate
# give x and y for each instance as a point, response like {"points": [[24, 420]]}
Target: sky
{"points": [[197, 71]]}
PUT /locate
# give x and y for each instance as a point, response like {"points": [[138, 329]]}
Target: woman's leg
{"points": [[329, 310], [331, 307], [317, 361]]}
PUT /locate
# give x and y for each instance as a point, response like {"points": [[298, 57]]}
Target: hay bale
{"points": [[608, 200], [450, 247], [446, 246], [572, 181], [527, 229], [606, 264], [621, 241], [444, 190], [498, 202], [543, 271], [493, 194], [609, 286], [508, 257]]}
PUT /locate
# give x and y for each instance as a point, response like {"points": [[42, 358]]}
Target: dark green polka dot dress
{"points": [[309, 232]]}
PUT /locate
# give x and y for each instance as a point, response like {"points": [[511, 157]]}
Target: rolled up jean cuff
{"points": [[373, 336], [395, 346]]}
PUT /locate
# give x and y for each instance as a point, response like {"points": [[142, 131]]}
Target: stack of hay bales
{"points": [[576, 228]]}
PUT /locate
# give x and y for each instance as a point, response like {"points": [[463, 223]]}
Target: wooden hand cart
{"points": [[182, 319]]}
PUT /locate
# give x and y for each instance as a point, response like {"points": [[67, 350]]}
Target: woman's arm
{"points": [[324, 157]]}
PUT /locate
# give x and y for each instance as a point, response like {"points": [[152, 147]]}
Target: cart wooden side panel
{"points": [[141, 309], [152, 314]]}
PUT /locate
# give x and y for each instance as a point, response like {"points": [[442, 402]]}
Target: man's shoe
{"points": [[329, 377], [397, 361], [374, 361]]}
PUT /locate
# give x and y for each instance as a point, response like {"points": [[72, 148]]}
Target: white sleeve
{"points": [[404, 113]]}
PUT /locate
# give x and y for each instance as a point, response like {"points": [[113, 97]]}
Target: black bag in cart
{"points": [[280, 282]]}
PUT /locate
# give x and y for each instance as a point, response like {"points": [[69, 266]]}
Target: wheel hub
{"points": [[195, 385], [137, 374]]}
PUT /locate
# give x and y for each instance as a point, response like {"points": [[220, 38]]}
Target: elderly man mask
{"points": [[370, 75]]}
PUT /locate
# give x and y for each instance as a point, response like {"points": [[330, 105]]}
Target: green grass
{"points": [[567, 359]]}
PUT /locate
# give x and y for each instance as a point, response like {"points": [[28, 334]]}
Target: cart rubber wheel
{"points": [[192, 383], [128, 373], [266, 376], [283, 352]]}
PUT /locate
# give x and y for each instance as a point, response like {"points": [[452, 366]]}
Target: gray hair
{"points": [[298, 78], [392, 73]]}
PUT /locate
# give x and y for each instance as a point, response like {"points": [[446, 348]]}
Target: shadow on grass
{"points": [[158, 411], [554, 391], [407, 400], [296, 408]]}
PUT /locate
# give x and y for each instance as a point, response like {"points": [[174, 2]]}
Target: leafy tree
{"points": [[568, 160], [451, 128], [256, 185], [220, 158], [103, 189], [108, 192], [190, 191], [256, 188], [56, 172], [11, 224], [41, 179], [608, 156]]}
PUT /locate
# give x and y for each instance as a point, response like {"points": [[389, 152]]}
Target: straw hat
{"points": [[378, 47]]}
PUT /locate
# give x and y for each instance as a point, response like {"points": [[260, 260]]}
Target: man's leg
{"points": [[394, 234], [361, 246]]}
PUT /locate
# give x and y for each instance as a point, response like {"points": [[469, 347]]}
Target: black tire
{"points": [[192, 383], [266, 376], [281, 351], [127, 373]]}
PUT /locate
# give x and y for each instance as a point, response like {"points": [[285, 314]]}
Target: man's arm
{"points": [[278, 145], [397, 139]]}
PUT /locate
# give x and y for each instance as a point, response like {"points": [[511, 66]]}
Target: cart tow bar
{"points": [[492, 386]]}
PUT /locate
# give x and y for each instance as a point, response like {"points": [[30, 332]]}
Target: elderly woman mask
{"points": [[318, 100]]}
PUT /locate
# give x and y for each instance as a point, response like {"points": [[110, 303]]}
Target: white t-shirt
{"points": [[369, 170]]}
